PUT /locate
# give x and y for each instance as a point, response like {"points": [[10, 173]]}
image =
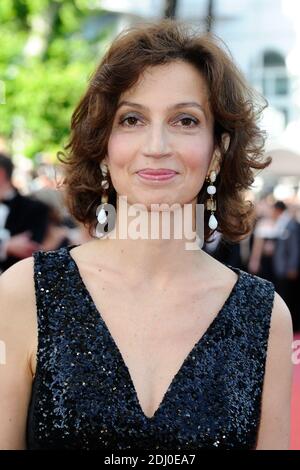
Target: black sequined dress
{"points": [[83, 396]]}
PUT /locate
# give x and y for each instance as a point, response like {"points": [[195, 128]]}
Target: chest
{"points": [[146, 322], [153, 329]]}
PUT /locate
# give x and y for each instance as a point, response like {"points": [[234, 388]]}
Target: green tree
{"points": [[48, 50]]}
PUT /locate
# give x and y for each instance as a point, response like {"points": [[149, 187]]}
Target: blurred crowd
{"points": [[35, 221], [272, 251], [40, 221]]}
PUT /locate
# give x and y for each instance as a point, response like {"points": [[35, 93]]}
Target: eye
{"points": [[130, 120], [188, 121]]}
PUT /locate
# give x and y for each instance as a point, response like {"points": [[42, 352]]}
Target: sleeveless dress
{"points": [[83, 396]]}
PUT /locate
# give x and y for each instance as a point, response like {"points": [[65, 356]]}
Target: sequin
{"points": [[82, 394]]}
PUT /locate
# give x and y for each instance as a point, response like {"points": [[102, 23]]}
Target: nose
{"points": [[157, 142]]}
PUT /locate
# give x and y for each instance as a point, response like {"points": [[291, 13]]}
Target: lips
{"points": [[157, 172], [156, 175]]}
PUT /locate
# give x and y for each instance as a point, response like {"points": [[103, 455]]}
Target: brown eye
{"points": [[129, 121], [188, 122]]}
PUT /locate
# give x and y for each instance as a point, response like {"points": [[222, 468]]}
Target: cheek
{"points": [[197, 156], [120, 150]]}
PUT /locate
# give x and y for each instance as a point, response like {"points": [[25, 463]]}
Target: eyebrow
{"points": [[190, 104]]}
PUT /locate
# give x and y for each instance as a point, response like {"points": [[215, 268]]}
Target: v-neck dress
{"points": [[83, 396]]}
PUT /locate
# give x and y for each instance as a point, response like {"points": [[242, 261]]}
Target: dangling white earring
{"points": [[211, 204], [100, 211]]}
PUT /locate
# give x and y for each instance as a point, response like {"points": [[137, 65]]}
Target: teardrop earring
{"points": [[100, 211], [211, 204]]}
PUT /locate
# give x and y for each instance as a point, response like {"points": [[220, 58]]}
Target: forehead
{"points": [[166, 84]]}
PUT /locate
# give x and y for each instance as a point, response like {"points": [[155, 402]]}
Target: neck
{"points": [[158, 248]]}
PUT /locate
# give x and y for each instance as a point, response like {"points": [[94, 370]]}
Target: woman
{"points": [[141, 343]]}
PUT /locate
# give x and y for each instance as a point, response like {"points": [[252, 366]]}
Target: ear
{"points": [[216, 160], [104, 167], [215, 163], [225, 141], [104, 163]]}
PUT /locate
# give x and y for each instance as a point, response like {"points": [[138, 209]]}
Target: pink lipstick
{"points": [[160, 174]]}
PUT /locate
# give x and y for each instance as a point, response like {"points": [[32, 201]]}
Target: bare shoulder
{"points": [[18, 322], [17, 283], [274, 430], [17, 335], [279, 352], [216, 270], [281, 321]]}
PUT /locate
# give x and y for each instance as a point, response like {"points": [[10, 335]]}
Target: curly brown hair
{"points": [[235, 106]]}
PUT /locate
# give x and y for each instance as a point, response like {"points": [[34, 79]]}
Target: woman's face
{"points": [[163, 122]]}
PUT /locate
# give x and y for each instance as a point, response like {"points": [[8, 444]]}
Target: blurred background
{"points": [[49, 48]]}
